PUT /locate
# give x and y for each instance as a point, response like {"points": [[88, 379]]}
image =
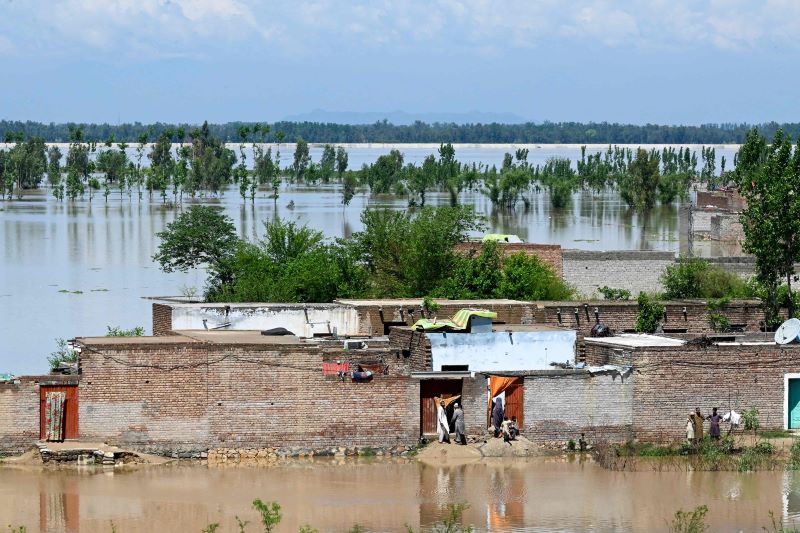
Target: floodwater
{"points": [[543, 495], [73, 268]]}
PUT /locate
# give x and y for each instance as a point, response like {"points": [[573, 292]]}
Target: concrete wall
{"points": [[635, 271], [301, 319], [726, 227], [502, 351], [560, 405], [170, 397]]}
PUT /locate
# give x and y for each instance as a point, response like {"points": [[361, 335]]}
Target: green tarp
{"points": [[459, 322]]}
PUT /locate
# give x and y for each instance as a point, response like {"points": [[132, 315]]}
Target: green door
{"points": [[794, 404]]}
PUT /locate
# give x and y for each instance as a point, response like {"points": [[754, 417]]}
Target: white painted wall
{"points": [[499, 351], [293, 318]]}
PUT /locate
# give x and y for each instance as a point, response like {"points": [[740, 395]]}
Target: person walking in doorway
{"points": [[442, 424]]}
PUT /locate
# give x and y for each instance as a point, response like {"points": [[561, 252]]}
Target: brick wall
{"points": [[19, 416], [635, 271], [726, 227], [19, 411], [162, 319], [548, 253], [475, 399], [186, 397], [415, 344], [560, 405], [671, 382]]}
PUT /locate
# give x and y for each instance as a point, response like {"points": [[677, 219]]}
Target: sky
{"points": [[648, 61]]}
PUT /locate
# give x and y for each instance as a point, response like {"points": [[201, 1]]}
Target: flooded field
{"points": [[541, 495], [74, 268]]}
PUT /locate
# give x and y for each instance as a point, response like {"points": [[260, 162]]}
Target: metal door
{"points": [[515, 400], [794, 404], [70, 409]]}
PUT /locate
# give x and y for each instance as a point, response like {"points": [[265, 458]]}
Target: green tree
{"points": [[341, 161], [697, 278], [327, 163], [526, 277], [302, 158], [768, 177], [639, 186], [349, 184], [54, 156], [200, 236]]}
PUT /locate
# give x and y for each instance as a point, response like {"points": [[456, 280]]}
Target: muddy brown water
{"points": [[542, 494]]}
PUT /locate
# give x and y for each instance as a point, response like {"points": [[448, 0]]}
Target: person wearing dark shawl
{"points": [[497, 416], [458, 424]]}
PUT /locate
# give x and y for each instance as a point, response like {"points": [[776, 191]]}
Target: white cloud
{"points": [[175, 27]]}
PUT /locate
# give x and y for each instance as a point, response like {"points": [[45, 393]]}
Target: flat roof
{"points": [[503, 328], [161, 339], [238, 337], [250, 305], [418, 301], [635, 340]]}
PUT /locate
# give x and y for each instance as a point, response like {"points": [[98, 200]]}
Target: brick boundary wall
{"points": [[669, 382], [548, 253], [635, 271], [19, 411], [187, 397]]}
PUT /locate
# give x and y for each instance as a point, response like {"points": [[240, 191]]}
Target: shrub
{"points": [[794, 456], [63, 354], [270, 514], [614, 294], [571, 445], [650, 314], [116, 331], [750, 418], [526, 277], [697, 278], [690, 521]]}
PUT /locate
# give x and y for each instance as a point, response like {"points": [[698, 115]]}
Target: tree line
{"points": [[200, 163], [418, 132]]}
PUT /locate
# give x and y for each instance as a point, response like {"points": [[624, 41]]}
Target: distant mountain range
{"points": [[403, 118]]}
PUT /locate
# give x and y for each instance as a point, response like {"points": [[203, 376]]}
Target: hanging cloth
{"points": [[497, 385], [447, 401], [54, 416]]}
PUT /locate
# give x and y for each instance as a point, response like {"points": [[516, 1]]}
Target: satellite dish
{"points": [[788, 332]]}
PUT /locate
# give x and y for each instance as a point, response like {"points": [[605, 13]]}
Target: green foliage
{"points": [[750, 418], [651, 450], [202, 235], [614, 294], [697, 278], [62, 354], [775, 434], [429, 305], [211, 528], [116, 331], [270, 514], [639, 186], [409, 255], [308, 529], [768, 177], [290, 264], [453, 522], [794, 456], [349, 184], [571, 445], [650, 314], [690, 521], [302, 158], [718, 321], [526, 277]]}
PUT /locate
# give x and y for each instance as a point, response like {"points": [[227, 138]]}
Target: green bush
{"points": [[526, 277], [697, 278], [650, 314], [690, 521], [614, 294], [794, 456]]}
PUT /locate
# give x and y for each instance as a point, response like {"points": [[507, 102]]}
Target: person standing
{"points": [[698, 425], [690, 429], [442, 425], [715, 420], [497, 416], [458, 424]]}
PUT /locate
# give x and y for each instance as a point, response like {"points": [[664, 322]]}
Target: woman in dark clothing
{"points": [[497, 416]]}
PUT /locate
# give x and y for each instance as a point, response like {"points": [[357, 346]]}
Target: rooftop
{"points": [[418, 301], [635, 340]]}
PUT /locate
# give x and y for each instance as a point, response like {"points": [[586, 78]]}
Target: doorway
{"points": [[429, 390], [69, 411]]}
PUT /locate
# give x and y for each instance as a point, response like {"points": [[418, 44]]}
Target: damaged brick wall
{"points": [[560, 405], [172, 397]]}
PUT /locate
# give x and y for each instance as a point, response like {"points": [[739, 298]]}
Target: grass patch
{"points": [[653, 450], [775, 434], [367, 452]]}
